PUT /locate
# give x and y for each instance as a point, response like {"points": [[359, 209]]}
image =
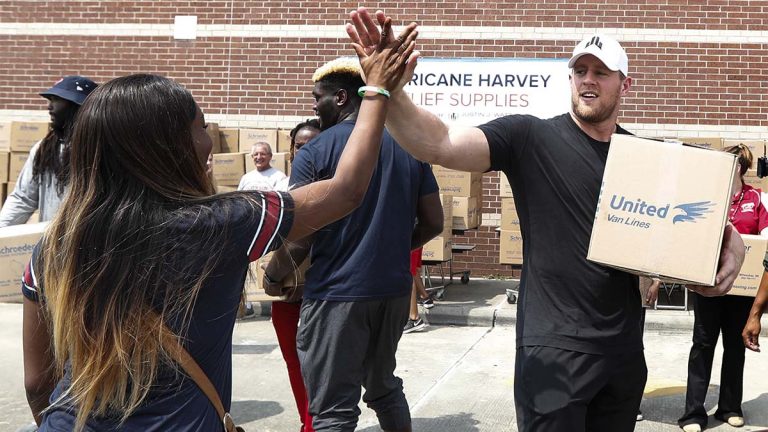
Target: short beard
{"points": [[588, 115]]}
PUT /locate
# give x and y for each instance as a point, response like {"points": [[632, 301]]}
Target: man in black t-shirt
{"points": [[579, 363]]}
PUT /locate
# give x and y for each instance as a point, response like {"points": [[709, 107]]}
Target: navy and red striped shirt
{"points": [[176, 403]]}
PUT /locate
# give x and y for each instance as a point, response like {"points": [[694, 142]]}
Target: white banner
{"points": [[473, 91]]}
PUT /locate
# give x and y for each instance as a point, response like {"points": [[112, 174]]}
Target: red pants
{"points": [[285, 319]]}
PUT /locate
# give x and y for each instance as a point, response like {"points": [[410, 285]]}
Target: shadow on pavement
{"points": [[251, 410], [755, 413], [455, 422], [667, 408]]}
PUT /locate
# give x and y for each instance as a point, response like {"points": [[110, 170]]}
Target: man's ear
{"points": [[342, 97], [625, 85]]}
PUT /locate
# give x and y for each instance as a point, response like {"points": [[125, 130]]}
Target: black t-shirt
{"points": [[567, 302], [175, 403]]}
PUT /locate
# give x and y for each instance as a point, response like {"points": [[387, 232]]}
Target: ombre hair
{"points": [[115, 267]]}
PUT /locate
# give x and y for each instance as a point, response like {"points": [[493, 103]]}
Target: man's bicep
{"points": [[468, 150]]}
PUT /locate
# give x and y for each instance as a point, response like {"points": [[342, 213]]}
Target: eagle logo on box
{"points": [[691, 212]]}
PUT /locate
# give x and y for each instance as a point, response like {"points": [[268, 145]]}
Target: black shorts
{"points": [[560, 390]]}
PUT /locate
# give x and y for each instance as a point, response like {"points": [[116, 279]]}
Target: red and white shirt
{"points": [[747, 213]]}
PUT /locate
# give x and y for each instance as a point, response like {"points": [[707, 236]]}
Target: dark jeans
{"points": [[343, 345], [713, 314], [559, 390]]}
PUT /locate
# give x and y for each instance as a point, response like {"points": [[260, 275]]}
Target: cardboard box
{"points": [[662, 210], [5, 136], [229, 140], [437, 249], [280, 161], [15, 164], [228, 168], [16, 243], [466, 213], [224, 189], [757, 147], [458, 183], [510, 221], [712, 143], [213, 132], [254, 291], [751, 178], [284, 140], [505, 189], [249, 137], [24, 135], [5, 158], [752, 269], [510, 247]]}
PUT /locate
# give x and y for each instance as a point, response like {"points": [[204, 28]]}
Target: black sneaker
{"points": [[246, 312], [414, 325], [427, 303]]}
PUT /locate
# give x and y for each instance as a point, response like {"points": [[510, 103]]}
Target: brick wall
{"points": [[698, 66]]}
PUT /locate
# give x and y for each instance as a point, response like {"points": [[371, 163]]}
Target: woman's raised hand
{"points": [[387, 61]]}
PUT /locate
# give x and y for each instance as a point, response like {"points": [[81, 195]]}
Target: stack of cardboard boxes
{"points": [[16, 140], [510, 237], [439, 248], [461, 194]]}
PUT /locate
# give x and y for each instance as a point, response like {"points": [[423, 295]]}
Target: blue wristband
{"points": [[361, 91]]}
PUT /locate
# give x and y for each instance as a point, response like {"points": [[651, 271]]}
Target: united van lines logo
{"points": [[641, 210]]}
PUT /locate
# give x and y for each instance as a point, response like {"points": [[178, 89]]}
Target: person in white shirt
{"points": [[264, 177]]}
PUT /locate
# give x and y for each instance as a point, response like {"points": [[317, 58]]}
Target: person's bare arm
{"points": [[429, 213], [39, 371], [751, 333], [418, 131], [284, 261]]}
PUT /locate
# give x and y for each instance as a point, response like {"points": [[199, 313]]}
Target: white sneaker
{"points": [[693, 427], [732, 419]]}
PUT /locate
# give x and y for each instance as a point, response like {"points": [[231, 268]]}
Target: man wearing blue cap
{"points": [[45, 175]]}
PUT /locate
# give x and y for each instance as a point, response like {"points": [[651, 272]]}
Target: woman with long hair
{"points": [[45, 175], [726, 314], [142, 252]]}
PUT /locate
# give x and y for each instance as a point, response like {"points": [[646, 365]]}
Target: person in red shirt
{"points": [[727, 314]]}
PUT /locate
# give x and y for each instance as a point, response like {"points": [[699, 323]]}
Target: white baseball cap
{"points": [[605, 48]]}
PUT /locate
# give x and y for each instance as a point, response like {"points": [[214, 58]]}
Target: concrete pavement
{"points": [[457, 378]]}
